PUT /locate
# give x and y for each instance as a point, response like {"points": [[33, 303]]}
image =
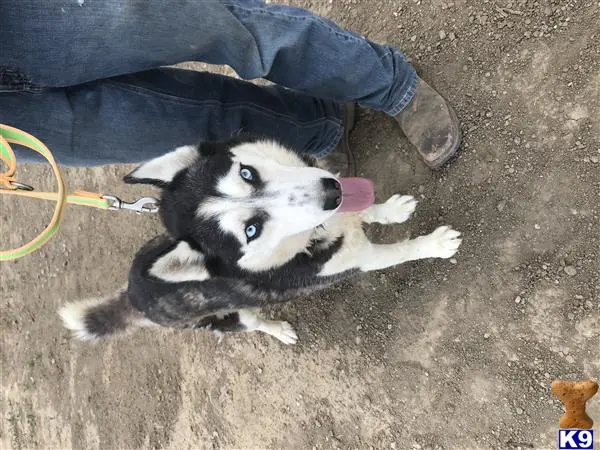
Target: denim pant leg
{"points": [[135, 117], [57, 43]]}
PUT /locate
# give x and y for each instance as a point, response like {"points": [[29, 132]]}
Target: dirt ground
{"points": [[430, 355]]}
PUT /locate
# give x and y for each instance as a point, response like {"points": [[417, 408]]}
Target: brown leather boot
{"points": [[431, 125], [342, 160]]}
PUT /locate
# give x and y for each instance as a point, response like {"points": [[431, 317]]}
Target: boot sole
{"points": [[349, 121]]}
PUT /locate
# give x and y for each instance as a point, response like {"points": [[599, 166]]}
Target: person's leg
{"points": [[62, 44], [136, 117], [52, 44]]}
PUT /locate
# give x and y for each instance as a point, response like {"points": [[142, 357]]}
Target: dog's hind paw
{"points": [[284, 332], [442, 243]]}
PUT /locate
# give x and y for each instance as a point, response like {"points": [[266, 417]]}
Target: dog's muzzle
{"points": [[333, 193]]}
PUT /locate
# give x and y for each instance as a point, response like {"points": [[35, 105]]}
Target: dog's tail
{"points": [[98, 318]]}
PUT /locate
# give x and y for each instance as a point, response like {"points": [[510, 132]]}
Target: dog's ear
{"points": [[160, 171], [180, 263]]}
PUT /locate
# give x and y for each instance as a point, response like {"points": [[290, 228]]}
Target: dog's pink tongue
{"points": [[357, 194]]}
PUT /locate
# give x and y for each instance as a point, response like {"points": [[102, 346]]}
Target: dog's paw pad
{"points": [[398, 208], [443, 242], [285, 333]]}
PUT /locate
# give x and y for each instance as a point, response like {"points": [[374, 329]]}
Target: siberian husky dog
{"points": [[248, 223]]}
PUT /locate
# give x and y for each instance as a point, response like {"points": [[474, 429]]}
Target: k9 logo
{"points": [[575, 439]]}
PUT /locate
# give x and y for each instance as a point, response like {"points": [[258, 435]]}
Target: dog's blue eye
{"points": [[246, 174], [251, 231]]}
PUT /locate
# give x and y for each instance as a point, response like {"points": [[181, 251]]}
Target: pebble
{"points": [[570, 359], [453, 261], [442, 34], [595, 159], [518, 300], [500, 206], [570, 270], [511, 170], [537, 226], [519, 411], [486, 336], [452, 36]]}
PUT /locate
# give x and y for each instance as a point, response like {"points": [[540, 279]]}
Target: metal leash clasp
{"points": [[16, 185], [141, 205]]}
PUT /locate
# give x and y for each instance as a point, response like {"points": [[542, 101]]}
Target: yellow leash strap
{"points": [[9, 186]]}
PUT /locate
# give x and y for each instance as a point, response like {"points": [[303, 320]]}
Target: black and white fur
{"points": [[248, 223]]}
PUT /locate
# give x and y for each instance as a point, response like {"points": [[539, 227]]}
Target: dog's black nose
{"points": [[333, 193]]}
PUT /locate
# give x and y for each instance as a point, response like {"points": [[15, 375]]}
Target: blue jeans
{"points": [[88, 79]]}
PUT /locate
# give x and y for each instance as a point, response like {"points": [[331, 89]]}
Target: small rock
{"points": [[486, 336], [570, 359], [413, 38], [518, 300], [500, 206], [511, 170], [570, 270], [595, 159], [537, 226], [442, 34], [519, 411], [452, 36], [357, 339], [453, 261]]}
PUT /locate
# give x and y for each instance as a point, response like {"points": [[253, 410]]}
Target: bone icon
{"points": [[574, 397]]}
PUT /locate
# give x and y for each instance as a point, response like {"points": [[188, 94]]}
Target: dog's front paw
{"points": [[442, 243], [284, 332], [396, 209]]}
